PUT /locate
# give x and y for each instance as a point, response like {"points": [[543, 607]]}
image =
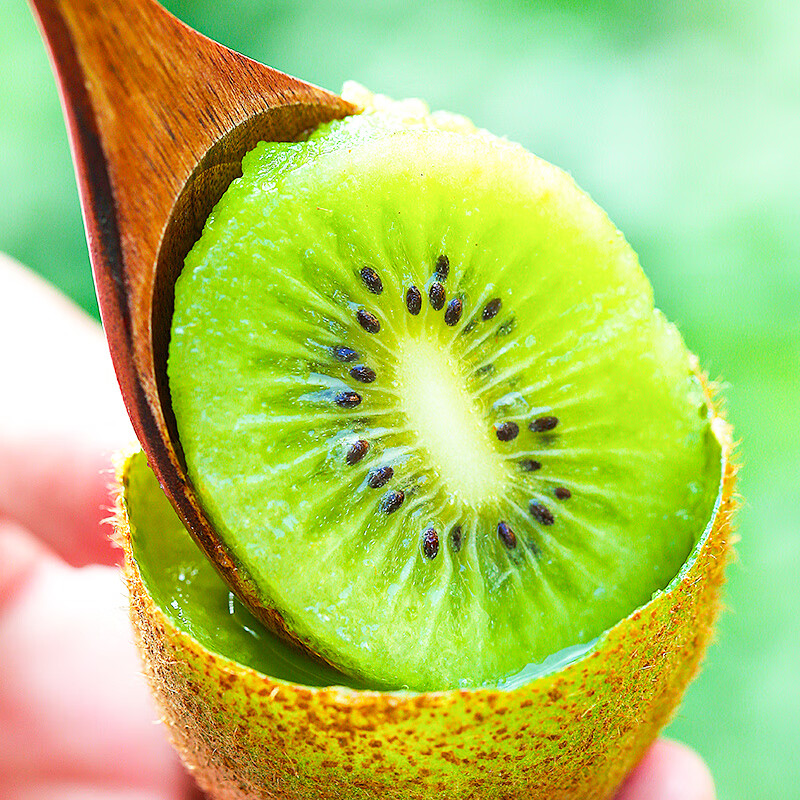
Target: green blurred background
{"points": [[683, 121]]}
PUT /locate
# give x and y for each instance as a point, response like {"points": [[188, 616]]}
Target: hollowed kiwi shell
{"points": [[574, 733]]}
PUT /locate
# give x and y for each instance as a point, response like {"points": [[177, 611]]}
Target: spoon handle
{"points": [[159, 118]]}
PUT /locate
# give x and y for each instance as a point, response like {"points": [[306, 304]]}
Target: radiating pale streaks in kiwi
{"points": [[316, 240], [394, 603], [367, 344], [562, 399], [430, 323], [387, 307], [480, 619], [526, 615], [549, 383], [414, 325], [290, 323], [583, 491], [296, 463], [484, 388], [601, 541], [255, 340], [364, 239], [551, 602], [401, 456], [440, 570], [570, 559], [305, 291], [325, 415], [488, 264], [325, 252], [486, 331], [493, 384], [339, 548], [571, 333], [378, 435], [549, 388], [584, 452], [378, 389], [437, 501], [574, 539], [319, 404], [330, 507], [399, 542]]}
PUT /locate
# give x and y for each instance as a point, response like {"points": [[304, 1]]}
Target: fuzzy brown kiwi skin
{"points": [[571, 735]]}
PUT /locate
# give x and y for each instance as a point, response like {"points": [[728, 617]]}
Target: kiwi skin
{"points": [[575, 733]]}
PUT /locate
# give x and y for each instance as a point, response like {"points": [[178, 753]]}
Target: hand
{"points": [[669, 771], [76, 719]]}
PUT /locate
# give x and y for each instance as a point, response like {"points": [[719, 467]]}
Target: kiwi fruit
{"points": [[254, 717], [431, 411], [427, 403]]}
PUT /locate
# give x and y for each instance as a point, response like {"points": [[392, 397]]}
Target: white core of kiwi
{"points": [[447, 422]]}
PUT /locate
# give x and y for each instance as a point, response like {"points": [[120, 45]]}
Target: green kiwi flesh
{"points": [[428, 406]]}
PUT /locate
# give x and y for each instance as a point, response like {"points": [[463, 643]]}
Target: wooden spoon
{"points": [[159, 118]]}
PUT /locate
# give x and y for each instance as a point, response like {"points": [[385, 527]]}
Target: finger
{"points": [[75, 712], [669, 771], [60, 421]]}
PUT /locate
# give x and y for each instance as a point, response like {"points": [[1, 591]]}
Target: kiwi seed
{"points": [[562, 493], [346, 354], [379, 477], [363, 373], [453, 313], [430, 543], [529, 465], [491, 309], [506, 431], [455, 538], [369, 322], [470, 326], [413, 300], [347, 399], [543, 424], [541, 513], [371, 280], [485, 369], [437, 296], [357, 451], [442, 267], [392, 501], [507, 536]]}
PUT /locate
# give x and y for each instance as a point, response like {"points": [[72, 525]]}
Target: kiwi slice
{"points": [[427, 403]]}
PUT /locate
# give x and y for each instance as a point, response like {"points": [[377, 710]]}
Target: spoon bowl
{"points": [[159, 118]]}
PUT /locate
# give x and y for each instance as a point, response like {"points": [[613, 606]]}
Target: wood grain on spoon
{"points": [[159, 119]]}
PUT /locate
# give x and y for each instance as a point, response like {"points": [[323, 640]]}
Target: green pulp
{"points": [[274, 286]]}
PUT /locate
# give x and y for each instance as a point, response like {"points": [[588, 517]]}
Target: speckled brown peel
{"points": [[573, 734]]}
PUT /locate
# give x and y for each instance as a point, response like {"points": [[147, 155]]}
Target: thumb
{"points": [[60, 419], [669, 771]]}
